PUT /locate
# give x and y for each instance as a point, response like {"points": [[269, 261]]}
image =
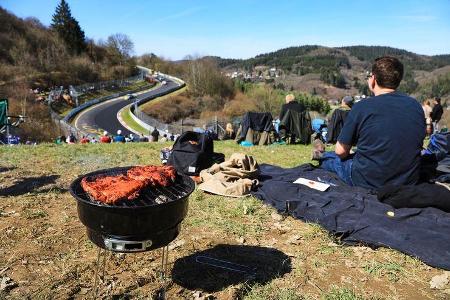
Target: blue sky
{"points": [[245, 28]]}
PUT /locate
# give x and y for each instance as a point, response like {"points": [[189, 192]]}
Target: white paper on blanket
{"points": [[313, 184]]}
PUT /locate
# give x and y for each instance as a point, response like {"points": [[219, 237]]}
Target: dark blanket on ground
{"points": [[418, 196], [356, 215]]}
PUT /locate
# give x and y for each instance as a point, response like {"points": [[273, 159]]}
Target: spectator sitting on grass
{"points": [[143, 138], [229, 132], [84, 140], [135, 138], [132, 138], [105, 138], [291, 104], [119, 138], [337, 119], [164, 138], [60, 140], [71, 139], [388, 131]]}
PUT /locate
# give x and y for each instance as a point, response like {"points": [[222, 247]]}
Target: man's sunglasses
{"points": [[368, 75]]}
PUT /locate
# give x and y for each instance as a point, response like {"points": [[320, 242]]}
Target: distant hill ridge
{"points": [[314, 56]]}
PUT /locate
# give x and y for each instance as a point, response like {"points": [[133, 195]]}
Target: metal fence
{"points": [[111, 84], [92, 102], [55, 94], [175, 128], [64, 123], [65, 128], [151, 123], [182, 125]]}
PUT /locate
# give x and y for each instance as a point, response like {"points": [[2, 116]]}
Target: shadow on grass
{"points": [[6, 169], [27, 185], [214, 269]]}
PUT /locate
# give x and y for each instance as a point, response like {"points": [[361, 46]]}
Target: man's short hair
{"points": [[289, 98], [388, 72], [437, 99]]}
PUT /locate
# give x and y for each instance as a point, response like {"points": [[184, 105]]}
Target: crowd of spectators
{"points": [[107, 138]]}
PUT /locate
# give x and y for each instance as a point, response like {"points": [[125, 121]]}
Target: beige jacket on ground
{"points": [[233, 178]]}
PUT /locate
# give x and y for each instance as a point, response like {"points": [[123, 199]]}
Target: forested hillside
{"points": [[342, 67], [312, 58], [34, 56]]}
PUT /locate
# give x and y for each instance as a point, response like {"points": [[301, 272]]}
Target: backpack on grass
{"points": [[439, 145], [191, 153]]}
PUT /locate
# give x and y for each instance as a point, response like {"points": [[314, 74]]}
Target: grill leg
{"points": [[97, 266], [165, 258], [161, 294], [97, 269], [104, 265]]}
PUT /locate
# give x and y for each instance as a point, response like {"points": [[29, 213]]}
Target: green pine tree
{"points": [[68, 28]]}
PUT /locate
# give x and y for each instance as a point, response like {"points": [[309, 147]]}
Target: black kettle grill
{"points": [[149, 222]]}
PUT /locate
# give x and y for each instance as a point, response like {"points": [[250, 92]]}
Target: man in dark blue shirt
{"points": [[388, 131]]}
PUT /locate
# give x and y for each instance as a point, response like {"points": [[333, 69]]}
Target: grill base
{"points": [[133, 243], [100, 268]]}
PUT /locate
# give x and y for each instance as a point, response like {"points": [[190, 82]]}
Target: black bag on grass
{"points": [[192, 152]]}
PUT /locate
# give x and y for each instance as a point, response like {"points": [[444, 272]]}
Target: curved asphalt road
{"points": [[103, 116]]}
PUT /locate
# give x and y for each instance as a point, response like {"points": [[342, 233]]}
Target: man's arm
{"points": [[342, 150], [349, 134]]}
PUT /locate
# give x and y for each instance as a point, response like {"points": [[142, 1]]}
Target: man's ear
{"points": [[373, 84]]}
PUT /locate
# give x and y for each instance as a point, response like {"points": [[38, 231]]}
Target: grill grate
{"points": [[149, 196]]}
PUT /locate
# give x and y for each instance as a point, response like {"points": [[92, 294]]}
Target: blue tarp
{"points": [[355, 214]]}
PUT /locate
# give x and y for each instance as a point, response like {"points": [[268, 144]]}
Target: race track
{"points": [[103, 116]]}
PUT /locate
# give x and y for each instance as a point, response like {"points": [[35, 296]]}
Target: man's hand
{"points": [[342, 150]]}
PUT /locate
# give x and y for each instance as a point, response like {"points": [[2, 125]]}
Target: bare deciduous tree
{"points": [[121, 44], [204, 78]]}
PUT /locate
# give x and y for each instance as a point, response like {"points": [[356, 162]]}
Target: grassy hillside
{"points": [[45, 250]]}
